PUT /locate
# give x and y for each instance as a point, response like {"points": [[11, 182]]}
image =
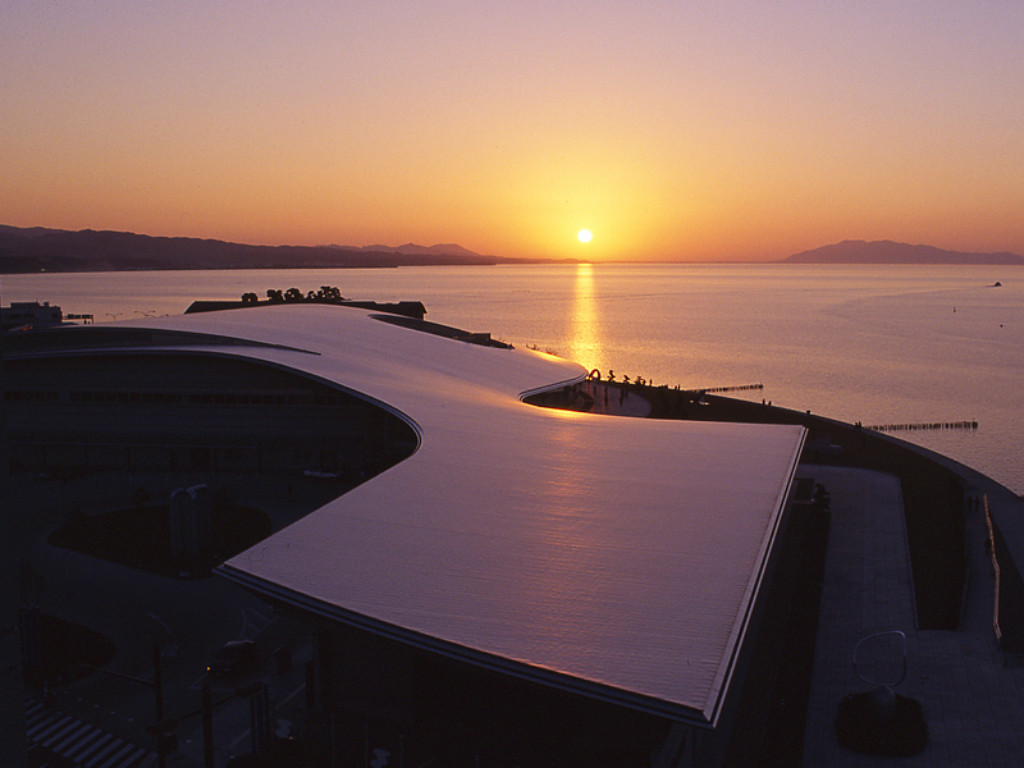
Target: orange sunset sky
{"points": [[673, 130]]}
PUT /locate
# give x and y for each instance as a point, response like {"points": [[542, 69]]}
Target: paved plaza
{"points": [[972, 693]]}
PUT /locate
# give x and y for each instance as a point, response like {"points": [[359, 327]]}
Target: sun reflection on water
{"points": [[584, 335]]}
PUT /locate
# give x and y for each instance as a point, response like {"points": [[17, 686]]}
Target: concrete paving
{"points": [[971, 692]]}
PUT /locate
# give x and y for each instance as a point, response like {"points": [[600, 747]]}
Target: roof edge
{"points": [[539, 675], [716, 700]]}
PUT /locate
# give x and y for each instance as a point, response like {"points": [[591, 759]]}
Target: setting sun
{"points": [[152, 141]]}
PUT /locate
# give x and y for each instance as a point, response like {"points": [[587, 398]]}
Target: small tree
{"points": [[250, 298], [328, 293]]}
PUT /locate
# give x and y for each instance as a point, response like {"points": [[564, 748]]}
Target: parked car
{"points": [[234, 658]]}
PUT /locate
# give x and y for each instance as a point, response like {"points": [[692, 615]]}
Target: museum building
{"points": [[543, 584]]}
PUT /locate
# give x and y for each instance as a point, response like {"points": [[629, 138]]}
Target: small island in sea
{"points": [[889, 252]]}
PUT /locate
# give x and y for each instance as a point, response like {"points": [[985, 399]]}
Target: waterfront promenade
{"points": [[971, 692]]}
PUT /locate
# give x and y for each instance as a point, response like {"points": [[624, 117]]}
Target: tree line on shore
{"points": [[326, 294]]}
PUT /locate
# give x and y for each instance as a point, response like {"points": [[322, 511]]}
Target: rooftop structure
{"points": [[617, 558], [29, 314]]}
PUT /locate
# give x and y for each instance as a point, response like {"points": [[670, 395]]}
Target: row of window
{"points": [[68, 460], [195, 398], [30, 397]]}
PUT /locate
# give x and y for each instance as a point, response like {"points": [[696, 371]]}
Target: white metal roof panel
{"points": [[616, 555]]}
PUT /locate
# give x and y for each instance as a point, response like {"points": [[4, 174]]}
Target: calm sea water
{"points": [[879, 344]]}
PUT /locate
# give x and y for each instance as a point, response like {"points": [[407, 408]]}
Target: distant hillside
{"points": [[888, 252], [411, 249], [56, 250]]}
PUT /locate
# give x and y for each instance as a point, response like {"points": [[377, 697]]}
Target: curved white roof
{"points": [[614, 556]]}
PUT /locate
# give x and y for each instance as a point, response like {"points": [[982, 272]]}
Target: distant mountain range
{"points": [[37, 249], [411, 249], [888, 252]]}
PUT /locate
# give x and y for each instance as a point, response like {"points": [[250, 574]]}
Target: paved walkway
{"points": [[972, 695]]}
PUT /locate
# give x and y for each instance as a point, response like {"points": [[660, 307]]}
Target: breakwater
{"points": [[739, 388], [916, 426]]}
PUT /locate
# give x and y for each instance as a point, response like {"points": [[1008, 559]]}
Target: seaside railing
{"points": [[915, 426], [996, 571]]}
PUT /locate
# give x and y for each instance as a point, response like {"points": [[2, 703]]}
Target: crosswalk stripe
{"points": [[84, 745], [94, 747], [55, 730], [105, 753], [80, 742], [50, 742], [117, 757], [74, 736], [34, 713], [47, 728]]}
